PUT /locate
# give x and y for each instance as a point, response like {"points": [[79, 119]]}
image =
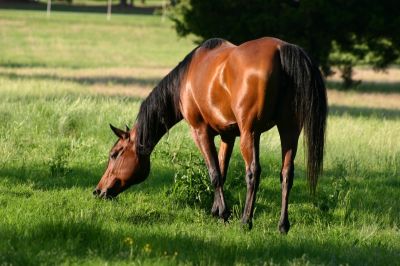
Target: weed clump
{"points": [[337, 198], [70, 123], [191, 180], [58, 163]]}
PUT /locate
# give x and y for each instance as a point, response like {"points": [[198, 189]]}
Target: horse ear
{"points": [[119, 132], [127, 128]]}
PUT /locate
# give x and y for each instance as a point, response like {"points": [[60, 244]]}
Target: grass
{"points": [[56, 103], [81, 40]]}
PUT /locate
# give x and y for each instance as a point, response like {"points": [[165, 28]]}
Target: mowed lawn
{"points": [[64, 79]]}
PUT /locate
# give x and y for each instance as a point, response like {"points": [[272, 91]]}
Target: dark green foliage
{"points": [[352, 31]]}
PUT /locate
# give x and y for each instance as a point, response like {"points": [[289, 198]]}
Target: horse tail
{"points": [[310, 103]]}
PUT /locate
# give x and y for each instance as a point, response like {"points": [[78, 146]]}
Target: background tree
{"points": [[336, 33], [123, 3]]}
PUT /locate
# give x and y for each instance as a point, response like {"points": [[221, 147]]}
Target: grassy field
{"points": [[64, 79]]}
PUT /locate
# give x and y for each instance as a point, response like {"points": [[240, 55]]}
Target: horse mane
{"points": [[160, 110]]}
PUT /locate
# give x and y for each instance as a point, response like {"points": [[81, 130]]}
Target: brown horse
{"points": [[227, 90]]}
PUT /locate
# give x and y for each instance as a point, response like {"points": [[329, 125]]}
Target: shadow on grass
{"points": [[362, 194], [340, 110], [367, 86], [369, 192], [20, 65], [87, 80], [41, 178], [61, 242], [362, 202], [116, 9]]}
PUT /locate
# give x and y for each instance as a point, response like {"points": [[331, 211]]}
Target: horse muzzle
{"points": [[105, 194]]}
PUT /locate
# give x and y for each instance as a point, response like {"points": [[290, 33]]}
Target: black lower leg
{"points": [[286, 185], [252, 180], [219, 206]]}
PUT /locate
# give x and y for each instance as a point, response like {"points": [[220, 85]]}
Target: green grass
{"points": [[54, 141], [82, 40]]}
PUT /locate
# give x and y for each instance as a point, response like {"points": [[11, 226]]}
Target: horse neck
{"points": [[158, 113]]}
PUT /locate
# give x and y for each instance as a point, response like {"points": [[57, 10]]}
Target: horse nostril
{"points": [[102, 194], [96, 192], [106, 194]]}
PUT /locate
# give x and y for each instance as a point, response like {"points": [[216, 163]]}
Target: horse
{"points": [[227, 90]]}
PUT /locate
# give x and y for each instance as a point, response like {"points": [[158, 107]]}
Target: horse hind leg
{"points": [[289, 138]]}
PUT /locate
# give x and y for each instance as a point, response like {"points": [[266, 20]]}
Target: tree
{"points": [[123, 3], [336, 33]]}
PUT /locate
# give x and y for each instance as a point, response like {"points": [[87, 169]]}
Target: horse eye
{"points": [[114, 155]]}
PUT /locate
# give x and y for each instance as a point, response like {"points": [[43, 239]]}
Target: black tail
{"points": [[310, 105]]}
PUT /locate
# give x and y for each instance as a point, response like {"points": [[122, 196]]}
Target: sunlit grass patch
{"points": [[78, 40]]}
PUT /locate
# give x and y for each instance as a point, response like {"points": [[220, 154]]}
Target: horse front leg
{"points": [[205, 142], [224, 155], [249, 146]]}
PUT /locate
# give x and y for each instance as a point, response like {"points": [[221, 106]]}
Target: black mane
{"points": [[160, 110]]}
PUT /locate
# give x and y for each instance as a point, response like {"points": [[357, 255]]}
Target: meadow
{"points": [[64, 79]]}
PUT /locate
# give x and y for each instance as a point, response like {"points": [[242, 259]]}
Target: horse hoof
{"points": [[247, 225], [284, 228], [215, 210], [225, 215]]}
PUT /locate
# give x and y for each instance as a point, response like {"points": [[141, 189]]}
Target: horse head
{"points": [[125, 166]]}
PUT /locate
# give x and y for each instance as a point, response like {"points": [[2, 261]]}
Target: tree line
{"points": [[337, 33]]}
